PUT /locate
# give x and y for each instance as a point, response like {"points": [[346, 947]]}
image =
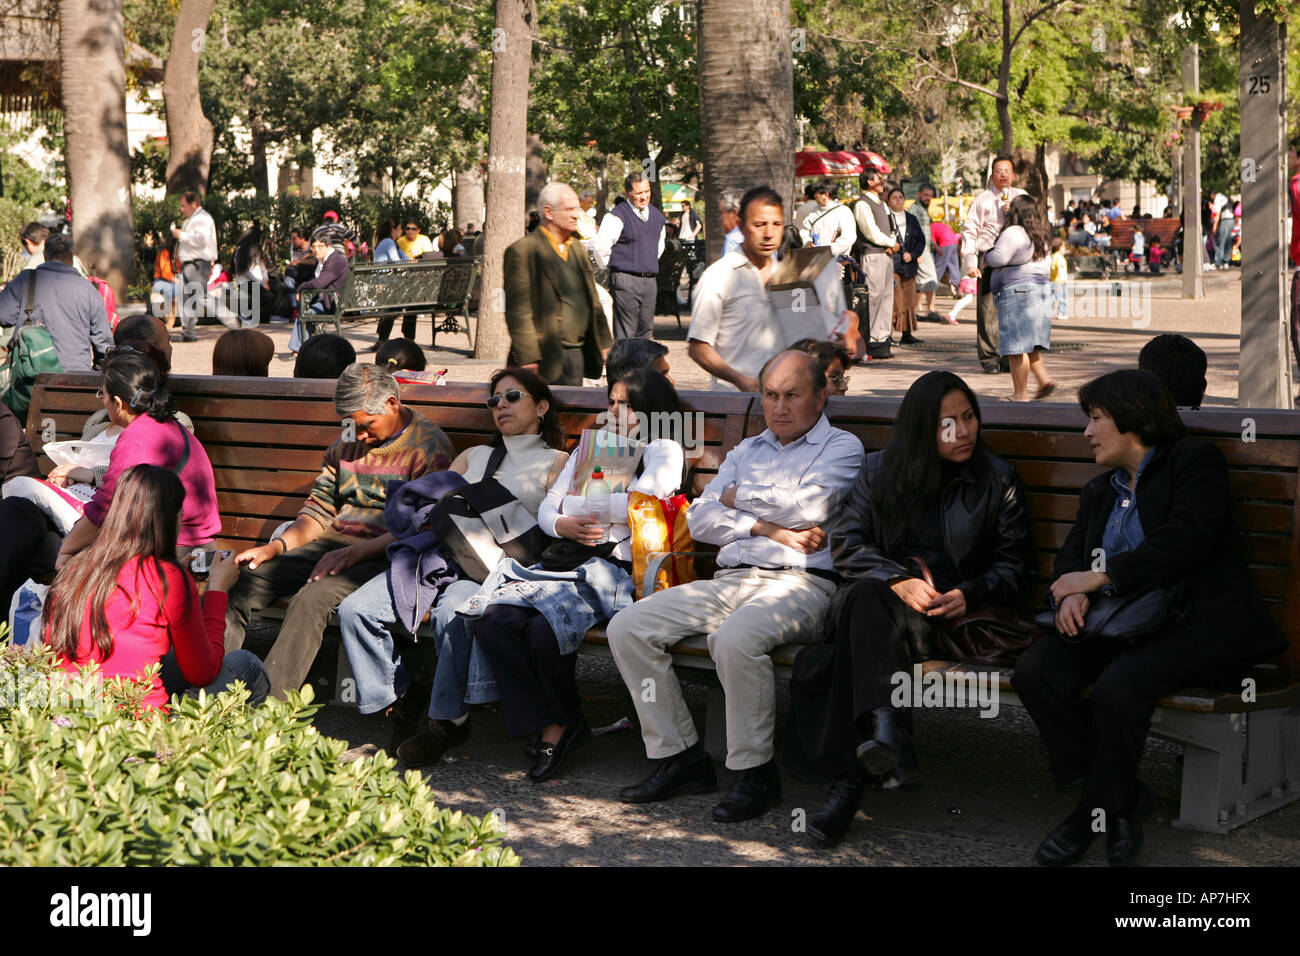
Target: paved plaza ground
{"points": [[987, 798], [1107, 335]]}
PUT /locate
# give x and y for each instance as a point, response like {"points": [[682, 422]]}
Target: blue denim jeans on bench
{"points": [[366, 620], [238, 665]]}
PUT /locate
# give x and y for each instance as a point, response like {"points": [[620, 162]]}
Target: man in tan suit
{"points": [[557, 326]]}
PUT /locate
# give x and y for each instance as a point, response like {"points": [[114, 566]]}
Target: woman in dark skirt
{"points": [[935, 493]]}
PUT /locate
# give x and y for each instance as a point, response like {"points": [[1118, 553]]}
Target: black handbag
{"points": [[1125, 617]]}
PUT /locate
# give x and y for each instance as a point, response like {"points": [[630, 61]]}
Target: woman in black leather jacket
{"points": [[1161, 516], [934, 493]]}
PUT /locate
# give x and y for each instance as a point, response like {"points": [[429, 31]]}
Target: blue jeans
{"points": [[1223, 241], [168, 289], [366, 622], [238, 665]]}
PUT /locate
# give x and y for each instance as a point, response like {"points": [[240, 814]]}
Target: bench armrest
{"points": [[657, 559]]}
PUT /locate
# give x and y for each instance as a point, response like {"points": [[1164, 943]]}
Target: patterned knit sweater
{"points": [[348, 497]]}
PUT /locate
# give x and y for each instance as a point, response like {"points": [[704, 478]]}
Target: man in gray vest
{"points": [[877, 245], [630, 241]]}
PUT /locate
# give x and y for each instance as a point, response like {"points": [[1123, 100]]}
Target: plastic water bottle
{"points": [[598, 502]]}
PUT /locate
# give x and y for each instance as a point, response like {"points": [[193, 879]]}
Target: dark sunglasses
{"points": [[123, 350], [512, 396]]}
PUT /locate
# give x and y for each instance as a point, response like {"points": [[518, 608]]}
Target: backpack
{"points": [[31, 352], [110, 300]]}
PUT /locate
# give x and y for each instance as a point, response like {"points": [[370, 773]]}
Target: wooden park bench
{"points": [[671, 266], [265, 438], [446, 289], [1121, 235]]}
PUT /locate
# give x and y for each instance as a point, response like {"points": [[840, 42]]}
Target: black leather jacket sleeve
{"points": [[853, 539], [1010, 573]]}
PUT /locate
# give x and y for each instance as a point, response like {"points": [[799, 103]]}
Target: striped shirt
{"points": [[348, 497]]}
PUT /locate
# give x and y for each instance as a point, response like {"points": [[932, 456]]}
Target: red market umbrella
{"points": [[808, 163], [867, 158]]}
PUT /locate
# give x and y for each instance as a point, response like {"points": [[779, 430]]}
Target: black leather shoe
{"points": [[878, 350], [756, 792], [883, 752], [910, 339], [829, 824], [690, 771], [534, 747], [550, 757], [437, 737], [1068, 842], [1124, 834]]}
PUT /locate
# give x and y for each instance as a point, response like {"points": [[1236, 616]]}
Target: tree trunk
{"points": [[92, 54], [1004, 81], [512, 55], [746, 102], [189, 134], [467, 197], [536, 172]]}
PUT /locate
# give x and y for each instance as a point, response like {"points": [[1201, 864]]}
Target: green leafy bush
{"points": [[85, 783]]}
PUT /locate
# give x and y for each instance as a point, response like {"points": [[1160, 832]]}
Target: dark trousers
{"points": [[309, 608], [634, 305], [385, 328], [836, 686], [538, 684], [571, 370], [194, 290], [1100, 739], [986, 319], [23, 551]]}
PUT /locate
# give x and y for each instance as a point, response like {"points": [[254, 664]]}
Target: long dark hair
{"points": [[139, 384], [911, 469], [649, 392], [550, 430], [142, 522], [1024, 212]]}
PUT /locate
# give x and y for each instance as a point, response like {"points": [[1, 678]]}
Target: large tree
{"points": [[512, 54], [189, 132], [92, 61], [746, 102]]}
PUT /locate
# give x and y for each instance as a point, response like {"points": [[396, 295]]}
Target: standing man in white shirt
{"points": [[768, 509], [831, 223], [630, 241], [733, 327], [984, 220], [871, 216], [196, 248]]}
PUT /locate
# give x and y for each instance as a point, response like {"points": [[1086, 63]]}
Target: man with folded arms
{"points": [[767, 508]]}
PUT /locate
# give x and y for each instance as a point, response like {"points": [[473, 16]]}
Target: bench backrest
{"points": [[265, 438], [1121, 231]]}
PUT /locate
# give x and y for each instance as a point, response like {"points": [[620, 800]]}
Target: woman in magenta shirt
{"points": [[134, 397], [125, 603]]}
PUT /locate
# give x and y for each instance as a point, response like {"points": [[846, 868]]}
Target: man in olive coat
{"points": [[557, 326]]}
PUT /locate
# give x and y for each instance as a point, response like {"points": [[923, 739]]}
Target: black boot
{"points": [[755, 791], [829, 824], [884, 750]]}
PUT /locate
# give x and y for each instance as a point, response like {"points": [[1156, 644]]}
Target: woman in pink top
{"points": [[126, 604], [134, 397]]}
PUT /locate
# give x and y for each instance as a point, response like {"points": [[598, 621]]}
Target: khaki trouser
{"points": [[878, 272], [746, 613]]}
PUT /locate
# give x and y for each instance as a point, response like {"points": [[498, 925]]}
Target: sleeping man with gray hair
{"points": [[338, 541]]}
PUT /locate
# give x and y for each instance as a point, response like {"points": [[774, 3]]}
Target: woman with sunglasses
{"points": [[529, 621], [126, 604], [526, 418], [30, 540]]}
